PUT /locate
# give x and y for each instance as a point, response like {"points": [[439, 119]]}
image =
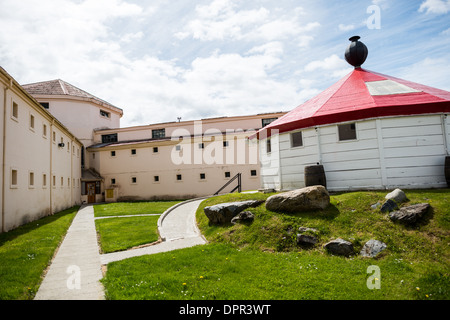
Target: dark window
{"points": [[133, 151], [268, 146], [113, 181], [113, 153], [265, 122], [225, 144], [201, 145], [179, 177], [296, 139], [82, 154], [347, 132], [202, 176], [104, 114], [133, 180], [253, 173], [156, 178], [227, 174], [109, 138], [98, 189], [46, 105], [155, 149], [158, 133]]}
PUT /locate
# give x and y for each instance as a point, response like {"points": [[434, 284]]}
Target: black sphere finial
{"points": [[356, 52]]}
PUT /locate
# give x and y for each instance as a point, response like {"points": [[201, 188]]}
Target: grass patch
{"points": [[116, 234], [261, 260], [132, 208], [27, 251]]}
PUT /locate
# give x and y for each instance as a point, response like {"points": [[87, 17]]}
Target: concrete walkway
{"points": [[75, 272]]}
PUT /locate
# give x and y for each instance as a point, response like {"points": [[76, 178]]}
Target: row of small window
{"points": [[179, 177], [15, 116], [32, 180], [160, 133], [345, 132], [156, 149]]}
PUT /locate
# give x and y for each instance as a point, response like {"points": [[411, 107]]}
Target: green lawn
{"points": [[118, 234], [261, 260], [27, 251], [132, 208]]}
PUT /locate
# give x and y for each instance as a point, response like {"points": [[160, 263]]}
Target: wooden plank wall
{"points": [[406, 152]]}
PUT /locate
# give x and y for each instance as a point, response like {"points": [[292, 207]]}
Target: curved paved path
{"points": [[75, 271], [178, 229]]}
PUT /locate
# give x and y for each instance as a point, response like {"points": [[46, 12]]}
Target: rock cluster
{"points": [[317, 198]]}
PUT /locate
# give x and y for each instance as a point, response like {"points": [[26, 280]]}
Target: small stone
{"points": [[304, 239], [243, 217], [389, 206], [372, 248], [397, 195], [340, 247]]}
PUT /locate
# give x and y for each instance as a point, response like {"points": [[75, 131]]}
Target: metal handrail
{"points": [[239, 186]]}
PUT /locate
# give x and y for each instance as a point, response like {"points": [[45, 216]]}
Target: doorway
{"points": [[90, 186]]}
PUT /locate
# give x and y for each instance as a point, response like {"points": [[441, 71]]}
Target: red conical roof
{"points": [[363, 94]]}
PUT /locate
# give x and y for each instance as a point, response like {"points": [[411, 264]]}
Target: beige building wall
{"points": [[206, 157], [31, 159], [81, 117], [195, 127]]}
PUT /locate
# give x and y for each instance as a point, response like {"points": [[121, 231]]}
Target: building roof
{"points": [[362, 94], [61, 88]]}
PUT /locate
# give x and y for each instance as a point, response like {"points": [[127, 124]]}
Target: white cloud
{"points": [[430, 72], [435, 6], [223, 20], [348, 27], [335, 66]]}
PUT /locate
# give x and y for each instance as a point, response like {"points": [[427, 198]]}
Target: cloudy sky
{"points": [[160, 59]]}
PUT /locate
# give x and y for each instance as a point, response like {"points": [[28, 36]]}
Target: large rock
{"points": [[223, 213], [372, 248], [340, 247], [305, 199], [411, 214]]}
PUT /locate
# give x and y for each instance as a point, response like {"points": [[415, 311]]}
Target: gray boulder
{"points": [[397, 195], [243, 217], [411, 214], [372, 248], [223, 213], [339, 247], [305, 199]]}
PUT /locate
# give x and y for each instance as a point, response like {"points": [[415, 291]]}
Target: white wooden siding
{"points": [[270, 164], [294, 160], [353, 164], [405, 152], [414, 151]]}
